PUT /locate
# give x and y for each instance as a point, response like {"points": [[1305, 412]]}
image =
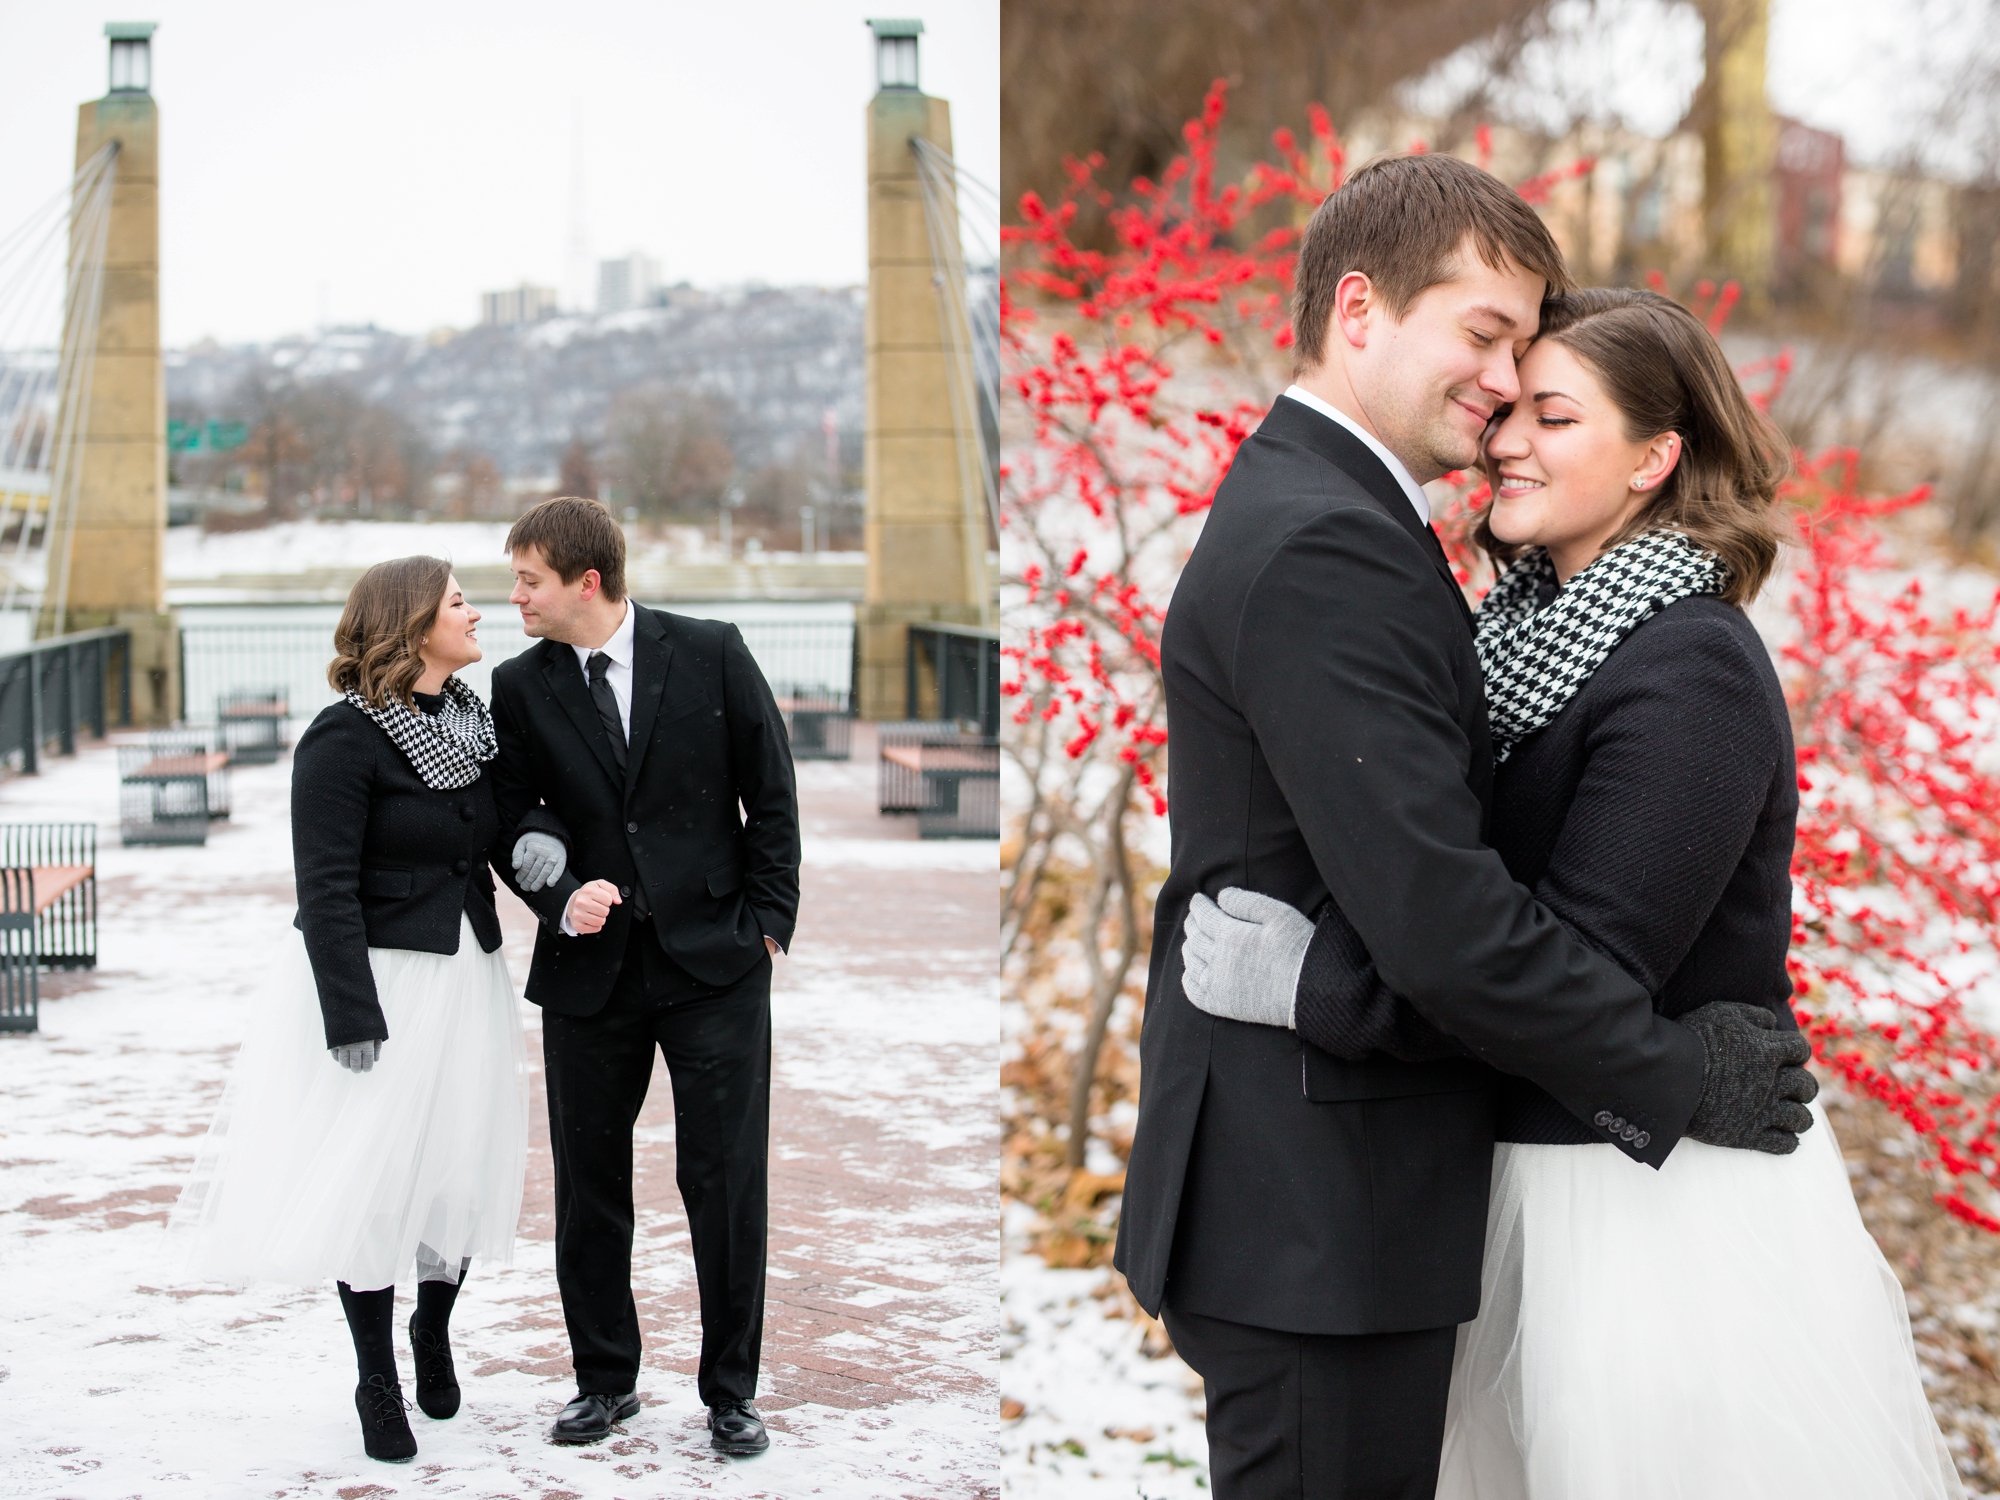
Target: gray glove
{"points": [[539, 858], [1241, 959], [357, 1057], [1754, 1087]]}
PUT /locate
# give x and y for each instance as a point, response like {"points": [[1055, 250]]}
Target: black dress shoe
{"points": [[437, 1379], [385, 1431], [588, 1418], [736, 1427]]}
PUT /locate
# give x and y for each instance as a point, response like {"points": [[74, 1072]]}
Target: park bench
{"points": [[251, 722], [48, 911], [948, 778], [819, 723], [171, 787]]}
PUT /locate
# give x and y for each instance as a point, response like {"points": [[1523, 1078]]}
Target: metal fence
{"points": [[952, 672], [54, 688], [799, 658]]}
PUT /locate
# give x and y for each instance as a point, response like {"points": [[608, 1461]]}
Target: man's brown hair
{"points": [[1403, 222], [1664, 372], [389, 611], [575, 535]]}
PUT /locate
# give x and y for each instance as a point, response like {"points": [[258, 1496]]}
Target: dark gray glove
{"points": [[1754, 1087], [357, 1057], [538, 859]]}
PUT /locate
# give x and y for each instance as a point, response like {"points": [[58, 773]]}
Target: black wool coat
{"points": [[1328, 720], [382, 861], [705, 819], [1654, 816]]}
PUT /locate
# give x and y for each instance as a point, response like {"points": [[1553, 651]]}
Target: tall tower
{"points": [[117, 574], [1739, 145], [926, 535]]}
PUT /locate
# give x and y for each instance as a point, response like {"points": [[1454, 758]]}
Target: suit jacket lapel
{"points": [[652, 655], [1294, 422], [566, 681]]}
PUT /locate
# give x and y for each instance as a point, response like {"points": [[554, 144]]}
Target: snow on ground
{"points": [[1099, 1418], [296, 546], [117, 1381]]}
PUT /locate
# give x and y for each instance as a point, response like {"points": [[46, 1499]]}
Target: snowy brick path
{"points": [[880, 1342]]}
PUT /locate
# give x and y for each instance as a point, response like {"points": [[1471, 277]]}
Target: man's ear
{"points": [[1353, 308], [592, 582]]}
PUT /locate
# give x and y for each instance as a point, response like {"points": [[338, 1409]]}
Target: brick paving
{"points": [[879, 1354]]}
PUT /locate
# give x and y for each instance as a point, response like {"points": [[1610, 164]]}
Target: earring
{"points": [[1638, 484], [425, 641]]}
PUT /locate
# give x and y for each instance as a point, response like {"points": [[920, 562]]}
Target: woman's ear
{"points": [[1657, 462]]}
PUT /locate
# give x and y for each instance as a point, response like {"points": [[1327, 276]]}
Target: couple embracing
{"points": [[1476, 1156], [632, 782]]}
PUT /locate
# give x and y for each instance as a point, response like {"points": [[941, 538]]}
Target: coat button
{"points": [[631, 827], [1617, 1122], [1602, 1119], [460, 868], [1642, 1140], [465, 813], [624, 893], [1630, 1132]]}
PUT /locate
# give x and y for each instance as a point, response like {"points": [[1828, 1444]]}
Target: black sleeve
{"points": [[760, 760], [333, 773], [1678, 767], [1343, 1007], [519, 807], [1343, 667]]}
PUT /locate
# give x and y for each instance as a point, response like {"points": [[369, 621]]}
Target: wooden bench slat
{"points": [[53, 882], [164, 766]]}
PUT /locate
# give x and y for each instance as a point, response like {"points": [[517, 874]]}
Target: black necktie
{"points": [[606, 702]]}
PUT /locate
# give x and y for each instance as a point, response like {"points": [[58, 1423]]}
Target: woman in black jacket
{"points": [[1724, 1326], [405, 1148]]}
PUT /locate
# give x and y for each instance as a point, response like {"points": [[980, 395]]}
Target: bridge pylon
{"points": [[116, 567], [926, 525]]}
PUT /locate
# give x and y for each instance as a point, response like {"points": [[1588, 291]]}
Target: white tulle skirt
{"points": [[310, 1172], [1722, 1327]]}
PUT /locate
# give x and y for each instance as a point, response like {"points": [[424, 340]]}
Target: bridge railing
{"points": [[799, 658], [54, 688]]}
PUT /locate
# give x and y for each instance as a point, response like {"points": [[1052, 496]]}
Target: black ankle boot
{"points": [[437, 1379], [385, 1431]]}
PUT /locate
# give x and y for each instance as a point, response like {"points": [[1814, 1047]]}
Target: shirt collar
{"points": [[1418, 499], [618, 648]]}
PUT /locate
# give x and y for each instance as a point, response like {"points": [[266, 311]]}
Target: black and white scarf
{"points": [[446, 748], [1536, 654]]}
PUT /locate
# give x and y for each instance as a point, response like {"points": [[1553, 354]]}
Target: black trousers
{"points": [[717, 1046], [1304, 1416]]}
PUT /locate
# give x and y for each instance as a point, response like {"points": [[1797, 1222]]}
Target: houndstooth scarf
{"points": [[1537, 655], [447, 748]]}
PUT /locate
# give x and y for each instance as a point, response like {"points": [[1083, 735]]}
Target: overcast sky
{"points": [[388, 160]]}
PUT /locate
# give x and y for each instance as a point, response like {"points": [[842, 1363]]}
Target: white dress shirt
{"points": [[619, 672], [1418, 499]]}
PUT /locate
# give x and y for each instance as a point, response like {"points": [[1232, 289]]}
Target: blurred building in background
{"points": [[525, 303], [627, 282]]}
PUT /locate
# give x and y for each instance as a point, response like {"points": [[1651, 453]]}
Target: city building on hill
{"points": [[628, 282], [525, 303]]}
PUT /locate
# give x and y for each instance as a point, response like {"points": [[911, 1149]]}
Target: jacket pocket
{"points": [[725, 878], [388, 885], [680, 708]]}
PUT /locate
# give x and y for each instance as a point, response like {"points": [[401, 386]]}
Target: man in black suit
{"points": [[654, 745], [1310, 1229]]}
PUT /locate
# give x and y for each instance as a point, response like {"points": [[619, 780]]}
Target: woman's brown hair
{"points": [[1664, 372], [387, 616]]}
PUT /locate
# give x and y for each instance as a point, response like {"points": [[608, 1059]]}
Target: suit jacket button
{"points": [[624, 893], [1602, 1119], [1617, 1123], [1630, 1132], [631, 827], [460, 868], [1642, 1140]]}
